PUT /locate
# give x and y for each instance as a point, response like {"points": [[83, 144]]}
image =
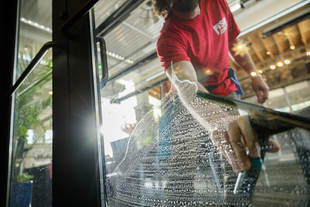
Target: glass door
{"points": [[96, 122], [156, 153]]}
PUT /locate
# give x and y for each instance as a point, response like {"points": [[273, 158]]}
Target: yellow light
{"points": [[260, 71], [287, 62], [308, 53], [253, 74], [272, 67], [268, 53], [292, 47], [280, 64], [50, 92]]}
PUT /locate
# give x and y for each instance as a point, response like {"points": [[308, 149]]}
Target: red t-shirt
{"points": [[203, 41]]}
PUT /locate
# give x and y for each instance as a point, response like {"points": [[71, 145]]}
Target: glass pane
{"points": [[32, 138], [104, 9], [299, 95], [158, 153]]}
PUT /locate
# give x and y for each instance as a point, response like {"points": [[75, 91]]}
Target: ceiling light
{"points": [[111, 54], [292, 47], [128, 61], [36, 25], [287, 62], [260, 71], [272, 67], [50, 92], [308, 53], [268, 53], [280, 64]]}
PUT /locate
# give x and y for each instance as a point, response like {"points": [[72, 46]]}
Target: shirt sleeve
{"points": [[171, 48], [233, 29]]}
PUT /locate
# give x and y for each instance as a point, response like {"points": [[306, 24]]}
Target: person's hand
{"points": [[232, 140], [128, 128], [261, 89]]}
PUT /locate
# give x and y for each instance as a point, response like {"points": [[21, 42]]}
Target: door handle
{"points": [[104, 61], [44, 49]]}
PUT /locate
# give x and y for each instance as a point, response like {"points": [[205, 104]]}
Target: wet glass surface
{"points": [[157, 153], [170, 160]]}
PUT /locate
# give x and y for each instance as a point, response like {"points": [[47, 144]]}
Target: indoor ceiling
{"points": [[135, 38]]}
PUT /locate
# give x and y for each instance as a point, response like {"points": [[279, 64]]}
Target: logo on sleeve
{"points": [[220, 27]]}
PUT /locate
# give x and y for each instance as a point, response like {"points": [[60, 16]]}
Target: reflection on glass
{"points": [[104, 9], [152, 157], [292, 98], [31, 183]]}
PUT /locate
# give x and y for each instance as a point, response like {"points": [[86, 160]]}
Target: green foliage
{"points": [[24, 177], [31, 100]]}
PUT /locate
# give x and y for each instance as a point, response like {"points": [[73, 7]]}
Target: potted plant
{"points": [[31, 100]]}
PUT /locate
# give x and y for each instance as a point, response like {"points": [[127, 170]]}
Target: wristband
{"points": [[258, 75]]}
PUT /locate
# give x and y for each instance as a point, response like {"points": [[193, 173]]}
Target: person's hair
{"points": [[162, 7]]}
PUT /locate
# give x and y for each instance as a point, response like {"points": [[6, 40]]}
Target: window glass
{"points": [[299, 95], [158, 153], [104, 9], [31, 183]]}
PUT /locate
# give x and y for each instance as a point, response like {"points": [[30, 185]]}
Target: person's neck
{"points": [[187, 15]]}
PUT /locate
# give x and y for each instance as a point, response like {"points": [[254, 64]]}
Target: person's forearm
{"points": [[222, 124], [208, 114], [184, 71], [242, 57]]}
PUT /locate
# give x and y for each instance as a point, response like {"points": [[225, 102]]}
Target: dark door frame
{"points": [[76, 177], [8, 51]]}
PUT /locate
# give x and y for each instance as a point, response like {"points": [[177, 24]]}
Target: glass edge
{"points": [[13, 99], [94, 60]]}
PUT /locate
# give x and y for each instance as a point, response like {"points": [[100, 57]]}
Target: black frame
{"points": [[76, 177], [117, 17], [8, 52]]}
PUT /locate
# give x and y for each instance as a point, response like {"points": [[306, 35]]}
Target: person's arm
{"points": [[240, 55], [228, 133], [184, 70], [217, 122]]}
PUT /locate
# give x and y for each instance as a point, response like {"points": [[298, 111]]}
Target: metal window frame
{"points": [[76, 176], [8, 53]]}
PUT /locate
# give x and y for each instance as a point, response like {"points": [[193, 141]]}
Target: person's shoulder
{"points": [[170, 26], [171, 22], [223, 4]]}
